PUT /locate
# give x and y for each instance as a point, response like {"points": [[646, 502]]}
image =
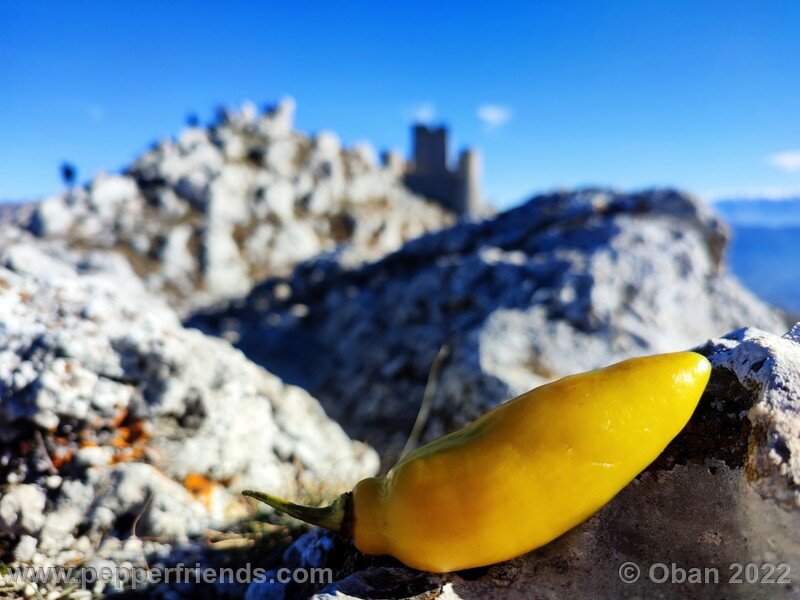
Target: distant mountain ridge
{"points": [[766, 259], [765, 247], [760, 212]]}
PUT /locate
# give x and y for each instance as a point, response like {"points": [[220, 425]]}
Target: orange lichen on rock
{"points": [[61, 456], [201, 487], [129, 440]]}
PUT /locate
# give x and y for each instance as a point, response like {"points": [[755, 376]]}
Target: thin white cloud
{"points": [[786, 161], [423, 113], [494, 116]]}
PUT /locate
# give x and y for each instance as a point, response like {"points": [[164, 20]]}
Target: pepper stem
{"points": [[335, 517]]}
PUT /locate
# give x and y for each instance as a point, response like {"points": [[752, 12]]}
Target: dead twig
{"points": [[231, 543], [427, 400], [45, 452], [145, 506]]}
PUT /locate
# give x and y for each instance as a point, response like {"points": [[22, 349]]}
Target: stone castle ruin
{"points": [[429, 173]]}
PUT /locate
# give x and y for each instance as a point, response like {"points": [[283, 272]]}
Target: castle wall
{"points": [[446, 188], [428, 173]]}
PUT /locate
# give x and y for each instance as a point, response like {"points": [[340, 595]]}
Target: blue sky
{"points": [[700, 95]]}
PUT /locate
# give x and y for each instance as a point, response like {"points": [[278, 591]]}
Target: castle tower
{"points": [[429, 174], [469, 169], [430, 149]]}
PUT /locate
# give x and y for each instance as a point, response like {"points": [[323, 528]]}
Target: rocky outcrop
{"points": [[726, 492], [115, 418], [203, 217], [565, 283]]}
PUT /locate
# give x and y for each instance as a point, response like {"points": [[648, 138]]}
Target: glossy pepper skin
{"points": [[523, 473]]}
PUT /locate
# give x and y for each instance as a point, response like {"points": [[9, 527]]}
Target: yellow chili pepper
{"points": [[523, 473]]}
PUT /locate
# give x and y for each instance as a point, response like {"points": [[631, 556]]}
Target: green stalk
{"points": [[337, 516]]}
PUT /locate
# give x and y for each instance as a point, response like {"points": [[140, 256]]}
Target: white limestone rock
{"points": [[110, 408]]}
